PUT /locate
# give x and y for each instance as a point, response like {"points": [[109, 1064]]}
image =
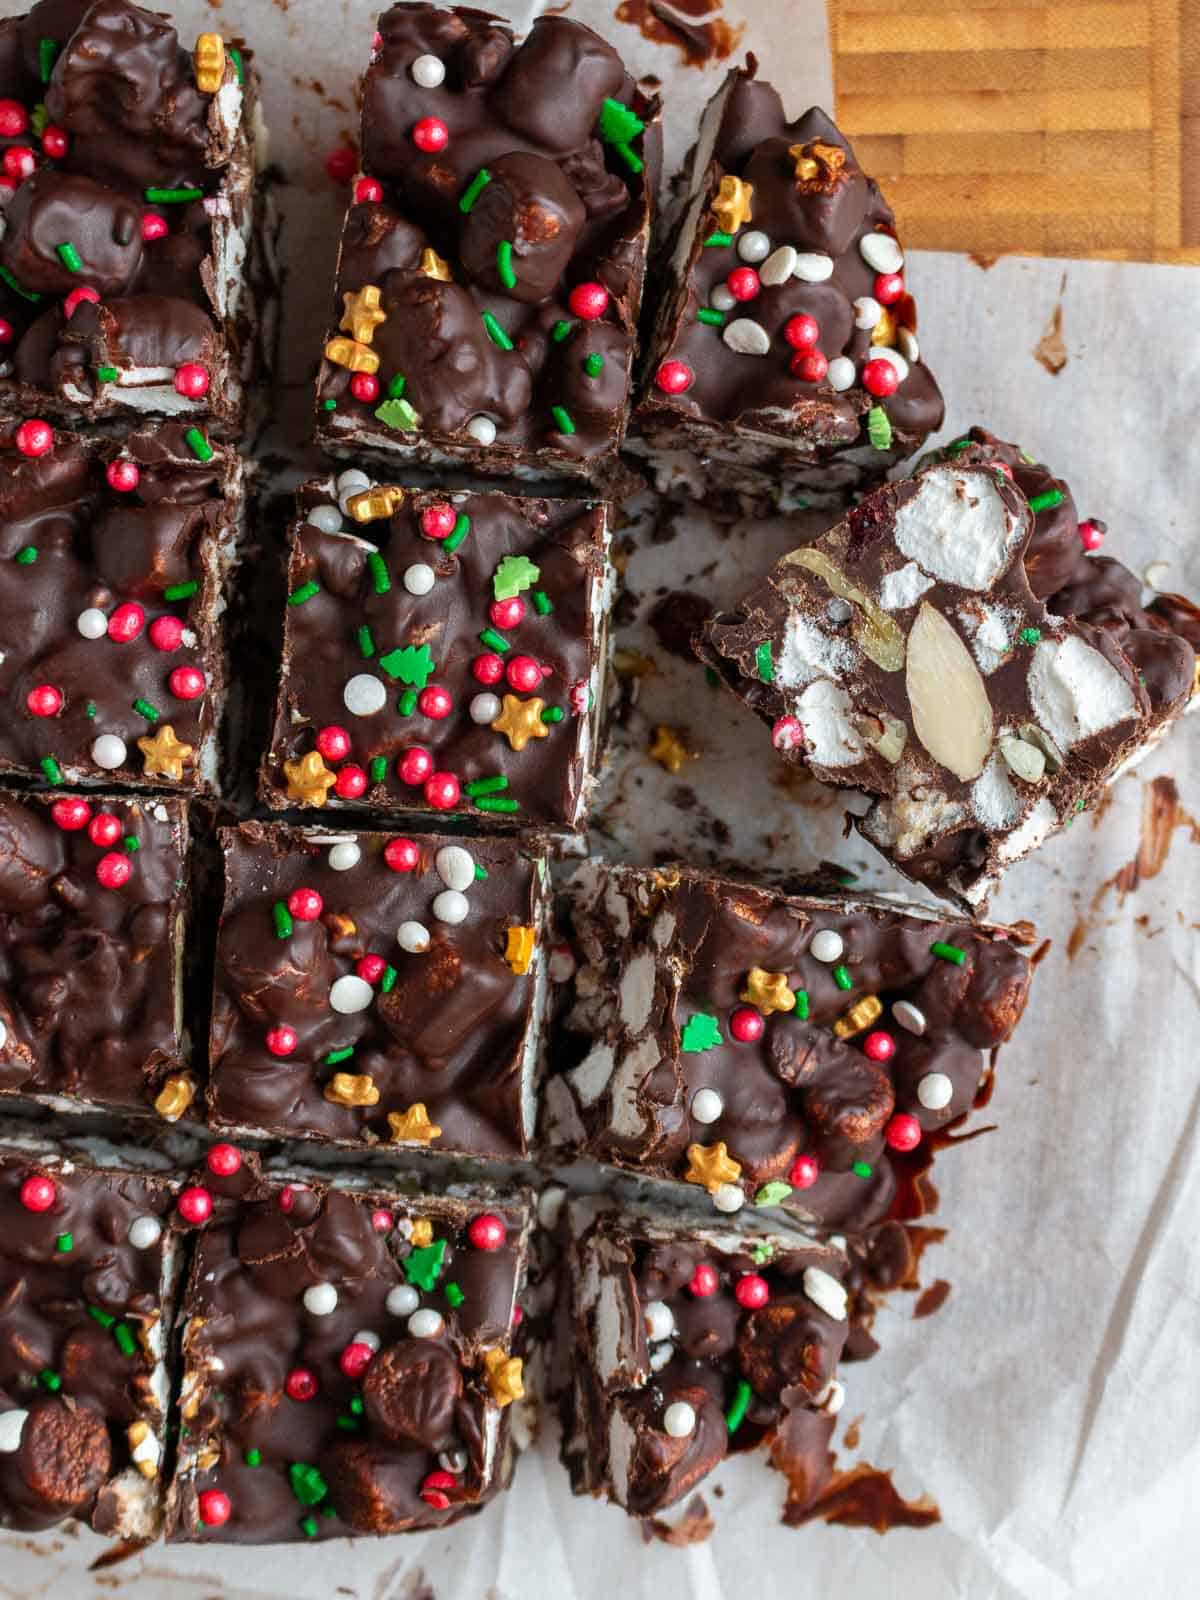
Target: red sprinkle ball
{"points": [[124, 476], [804, 1172], [879, 378], [402, 855], [1092, 533], [368, 191], [13, 119], [810, 366], [802, 332], [879, 1046], [166, 633], [487, 668], [38, 1193], [71, 815], [154, 227], [35, 437], [751, 1291], [787, 733], [44, 700], [282, 1040], [433, 1489], [523, 673], [54, 141], [903, 1132], [507, 613], [430, 135], [195, 1205], [414, 766], [187, 683], [435, 702], [306, 905], [355, 1359], [442, 791], [19, 161], [333, 742], [889, 287], [704, 1280], [224, 1160], [439, 521], [300, 1384], [104, 829], [341, 165], [370, 968], [76, 298], [364, 386], [746, 1024], [588, 301], [487, 1231], [287, 1197], [114, 870], [351, 782], [126, 622], [673, 377], [382, 1220], [191, 380], [743, 283], [214, 1506], [7, 333]]}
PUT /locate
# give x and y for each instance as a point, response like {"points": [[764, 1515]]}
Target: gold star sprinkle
{"points": [[518, 951], [175, 1096], [818, 165], [768, 991], [309, 780], [710, 1166], [732, 204], [521, 720], [884, 331], [860, 1015], [432, 266], [208, 62], [352, 1089], [668, 750], [362, 313], [351, 354], [165, 754], [413, 1126], [504, 1376], [422, 1232]]}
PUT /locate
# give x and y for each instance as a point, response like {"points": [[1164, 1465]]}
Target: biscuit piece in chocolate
{"points": [[88, 1270], [92, 907], [678, 1343], [124, 285], [378, 990], [784, 365], [961, 660], [113, 558], [449, 659], [789, 1050], [491, 266], [351, 1358]]}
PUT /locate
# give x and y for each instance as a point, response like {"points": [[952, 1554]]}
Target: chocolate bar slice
{"points": [[491, 266], [113, 561], [129, 210], [350, 1356], [89, 1265], [448, 659], [376, 990], [772, 1049], [906, 653], [784, 366], [93, 900], [679, 1343]]}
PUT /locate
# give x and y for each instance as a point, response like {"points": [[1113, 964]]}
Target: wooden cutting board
{"points": [[1016, 126]]}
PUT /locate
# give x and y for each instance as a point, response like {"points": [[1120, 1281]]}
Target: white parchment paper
{"points": [[1052, 1407]]}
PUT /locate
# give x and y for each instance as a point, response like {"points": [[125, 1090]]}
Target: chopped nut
{"points": [[352, 1089], [879, 635], [175, 1096], [951, 712], [1025, 760]]}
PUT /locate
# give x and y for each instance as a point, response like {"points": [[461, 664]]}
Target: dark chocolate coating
{"points": [[572, 209], [99, 548], [449, 1035], [89, 994], [244, 1309], [55, 1267], [685, 944], [565, 541]]}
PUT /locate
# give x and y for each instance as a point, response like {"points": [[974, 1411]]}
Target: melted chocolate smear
{"points": [[864, 1497], [117, 1553], [695, 1526], [1050, 351], [690, 25], [931, 1299], [677, 618]]}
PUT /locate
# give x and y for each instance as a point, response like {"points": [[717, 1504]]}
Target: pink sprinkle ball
{"points": [[34, 438], [19, 161], [787, 733], [54, 141], [438, 521], [364, 386], [382, 1220], [191, 380], [126, 622], [368, 191], [746, 1024], [435, 702], [487, 668], [879, 1046], [889, 287], [1092, 533], [506, 613], [195, 1205], [588, 301], [523, 674], [13, 119], [487, 1231], [166, 634], [810, 366], [301, 1384], [879, 377], [370, 968], [743, 283], [187, 683], [430, 135], [355, 1359], [341, 165], [305, 905], [44, 700], [751, 1291], [214, 1506], [281, 1040]]}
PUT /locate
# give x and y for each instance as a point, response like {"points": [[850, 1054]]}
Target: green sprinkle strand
{"points": [[47, 56], [1030, 635], [801, 1008], [407, 703], [481, 786], [180, 591], [64, 1244], [700, 1033], [542, 603], [495, 332], [397, 414], [459, 532], [378, 769], [283, 920], [198, 445], [772, 1194], [366, 641], [70, 257], [396, 386], [349, 1424], [39, 118], [763, 662], [388, 982], [497, 802], [454, 1295], [553, 714], [718, 239], [423, 1266], [879, 428], [26, 555], [357, 1406], [167, 197], [593, 364], [89, 711], [98, 1314], [841, 976], [563, 420], [51, 770], [494, 641], [329, 405], [334, 1056], [947, 952], [474, 189], [513, 576], [253, 1457], [957, 448], [862, 1169], [736, 1414], [240, 71], [303, 593], [309, 1526], [26, 294], [108, 374], [132, 843], [380, 576], [145, 709], [504, 266], [481, 873], [413, 665], [714, 318], [49, 1379], [1047, 501], [630, 157], [126, 1343], [562, 330]]}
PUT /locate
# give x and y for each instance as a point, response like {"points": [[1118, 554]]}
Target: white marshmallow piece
{"points": [[451, 907], [841, 374], [420, 578], [957, 528], [320, 1299], [144, 1232], [813, 267], [327, 518], [679, 1420], [881, 252], [746, 337], [109, 752], [484, 709], [12, 1426], [753, 246], [707, 1106], [344, 856], [428, 72], [455, 867], [364, 695], [402, 1301], [413, 937], [779, 266], [350, 994], [426, 1324], [935, 1091], [825, 1292], [827, 946], [1076, 692], [92, 623], [660, 1324]]}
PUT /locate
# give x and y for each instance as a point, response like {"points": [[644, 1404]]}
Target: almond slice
{"points": [[951, 712]]}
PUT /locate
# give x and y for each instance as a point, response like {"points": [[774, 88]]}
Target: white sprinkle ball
{"points": [[867, 311], [413, 937], [109, 752], [92, 623], [365, 1336], [144, 1232], [12, 1426], [660, 1355], [3, 1034], [660, 1324], [451, 906], [320, 1299], [679, 1419], [425, 1324], [428, 72], [327, 518], [350, 994], [344, 856], [722, 297], [419, 578], [403, 1300], [935, 1091], [841, 374], [455, 867], [364, 695], [827, 945], [482, 429], [707, 1105], [729, 1198], [754, 246], [484, 709]]}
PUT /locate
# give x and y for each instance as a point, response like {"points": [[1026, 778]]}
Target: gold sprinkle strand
{"points": [[208, 62], [732, 205], [710, 1166], [520, 721], [352, 1089], [309, 780], [362, 313], [432, 266], [413, 1126], [165, 755], [175, 1096], [860, 1015], [504, 1376], [371, 505], [768, 991], [351, 354], [668, 749], [518, 950]]}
